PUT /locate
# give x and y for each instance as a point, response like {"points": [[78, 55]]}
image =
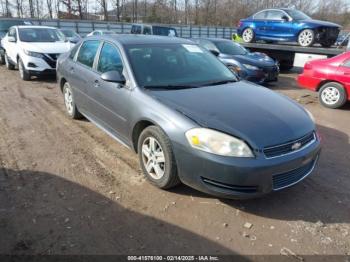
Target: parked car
{"points": [[330, 78], [153, 30], [100, 32], [187, 116], [287, 25], [254, 67], [33, 49], [71, 35], [5, 24]]}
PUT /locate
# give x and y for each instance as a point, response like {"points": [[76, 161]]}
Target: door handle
{"points": [[346, 73], [97, 84]]}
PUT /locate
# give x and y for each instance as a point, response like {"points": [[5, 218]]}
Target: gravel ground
{"points": [[68, 188]]}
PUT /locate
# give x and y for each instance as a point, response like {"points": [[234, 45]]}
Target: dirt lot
{"points": [[68, 188]]}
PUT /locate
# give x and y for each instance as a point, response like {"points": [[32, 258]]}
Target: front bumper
{"points": [[240, 178], [263, 75], [38, 66]]}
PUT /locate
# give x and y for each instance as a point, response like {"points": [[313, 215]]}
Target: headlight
{"points": [[217, 143], [310, 115], [34, 54], [250, 67]]}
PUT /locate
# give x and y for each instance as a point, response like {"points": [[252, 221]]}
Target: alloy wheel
{"points": [[248, 35], [306, 38], [153, 158], [68, 100], [330, 95]]}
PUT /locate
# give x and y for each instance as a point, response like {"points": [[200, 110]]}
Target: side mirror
{"points": [[114, 77], [285, 18], [11, 39], [214, 52]]}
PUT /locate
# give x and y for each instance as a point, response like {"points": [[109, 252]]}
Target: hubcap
{"points": [[68, 100], [153, 158], [248, 35], [330, 95], [305, 38]]}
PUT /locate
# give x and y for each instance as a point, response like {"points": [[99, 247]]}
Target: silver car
{"points": [[187, 116]]}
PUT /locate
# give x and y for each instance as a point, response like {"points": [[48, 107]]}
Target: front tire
{"points": [[9, 66], [306, 38], [332, 95], [23, 72], [69, 102], [248, 35], [2, 59], [157, 158]]}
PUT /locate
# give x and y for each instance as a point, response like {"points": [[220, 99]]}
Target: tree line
{"points": [[197, 12]]}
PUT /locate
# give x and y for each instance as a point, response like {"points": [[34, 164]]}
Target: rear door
{"points": [[82, 75], [343, 74], [109, 102]]}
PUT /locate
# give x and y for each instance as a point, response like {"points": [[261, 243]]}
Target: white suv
{"points": [[34, 49]]}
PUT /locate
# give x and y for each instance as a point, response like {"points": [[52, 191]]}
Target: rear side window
{"points": [[109, 59], [88, 52], [260, 15], [147, 30], [74, 51], [136, 29]]}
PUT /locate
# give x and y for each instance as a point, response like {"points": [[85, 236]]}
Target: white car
{"points": [[34, 49], [100, 32]]}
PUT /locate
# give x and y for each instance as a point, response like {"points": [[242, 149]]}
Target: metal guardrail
{"points": [[83, 27]]}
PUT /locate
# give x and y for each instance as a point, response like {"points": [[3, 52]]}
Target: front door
{"points": [[109, 102]]}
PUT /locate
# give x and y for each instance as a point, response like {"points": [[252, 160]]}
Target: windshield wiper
{"points": [[170, 87], [221, 82]]}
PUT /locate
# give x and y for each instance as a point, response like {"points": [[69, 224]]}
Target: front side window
{"points": [[275, 15], [40, 35], [109, 59], [147, 30], [88, 52], [169, 65], [73, 51], [136, 29], [164, 31], [12, 32]]}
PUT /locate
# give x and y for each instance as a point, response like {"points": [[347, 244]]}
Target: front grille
{"points": [[51, 59], [228, 187], [290, 147], [332, 32], [292, 177]]}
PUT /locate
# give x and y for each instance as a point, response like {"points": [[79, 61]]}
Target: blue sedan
{"points": [[287, 25], [254, 67]]}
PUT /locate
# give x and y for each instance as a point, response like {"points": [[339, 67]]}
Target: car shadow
{"points": [[42, 213], [324, 196]]}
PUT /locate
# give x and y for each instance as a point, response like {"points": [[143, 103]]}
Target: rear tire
{"points": [[2, 59], [157, 158], [248, 35], [306, 38], [23, 72], [9, 65], [69, 102], [332, 95]]}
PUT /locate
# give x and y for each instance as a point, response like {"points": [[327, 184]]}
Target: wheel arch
{"points": [[322, 83], [137, 130], [62, 81]]}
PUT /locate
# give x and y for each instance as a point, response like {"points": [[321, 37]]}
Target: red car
{"points": [[330, 77]]}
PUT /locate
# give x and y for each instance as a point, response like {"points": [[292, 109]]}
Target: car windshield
{"points": [[5, 25], [164, 31], [297, 15], [69, 33], [173, 66], [230, 48], [40, 35]]}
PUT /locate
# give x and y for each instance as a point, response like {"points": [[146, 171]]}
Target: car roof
{"points": [[157, 25], [129, 39], [35, 26], [212, 39]]}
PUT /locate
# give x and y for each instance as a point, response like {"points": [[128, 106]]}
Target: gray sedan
{"points": [[187, 116]]}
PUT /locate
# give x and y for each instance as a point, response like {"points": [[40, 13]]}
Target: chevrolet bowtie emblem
{"points": [[296, 146]]}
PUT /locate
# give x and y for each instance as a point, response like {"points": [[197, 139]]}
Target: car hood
{"points": [[47, 48], [257, 59], [319, 23], [251, 112]]}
